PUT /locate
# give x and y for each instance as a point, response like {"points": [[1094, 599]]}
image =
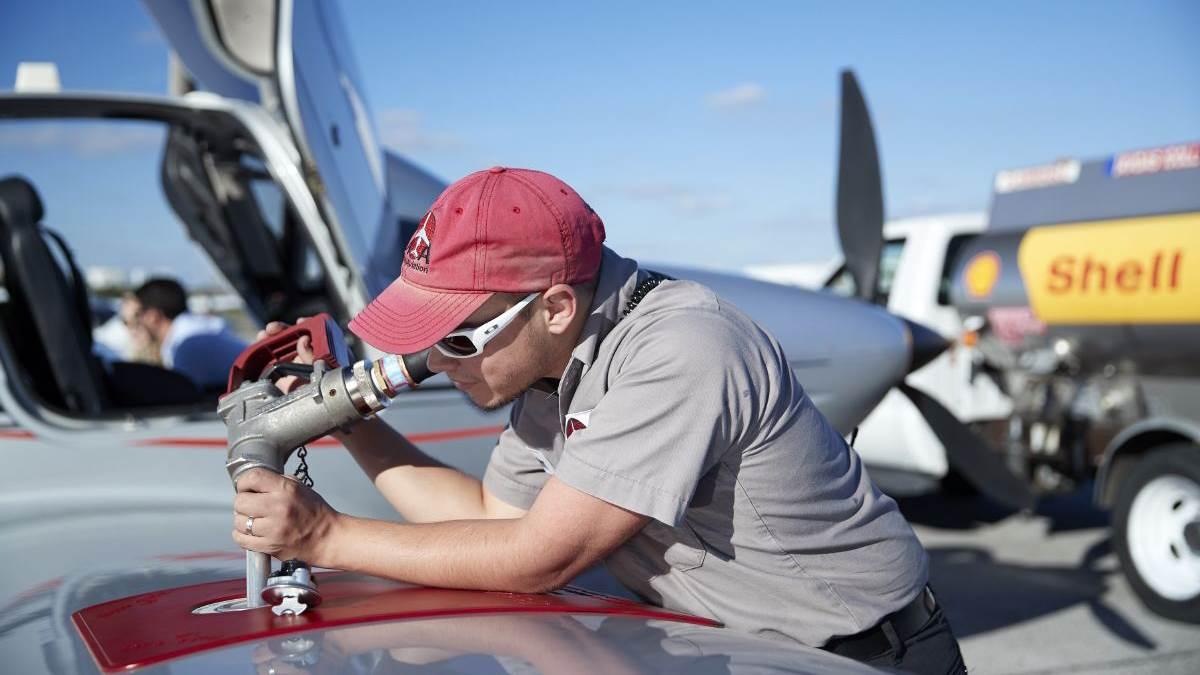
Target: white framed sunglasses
{"points": [[469, 342]]}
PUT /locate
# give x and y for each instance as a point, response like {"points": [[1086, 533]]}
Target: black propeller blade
{"points": [[971, 454], [859, 191], [860, 228], [968, 452]]}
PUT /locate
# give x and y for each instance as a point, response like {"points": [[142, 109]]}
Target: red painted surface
{"points": [[15, 433], [326, 442], [151, 628]]}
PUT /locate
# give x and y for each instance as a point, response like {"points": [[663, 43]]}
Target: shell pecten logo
{"points": [[1128, 271], [981, 274]]}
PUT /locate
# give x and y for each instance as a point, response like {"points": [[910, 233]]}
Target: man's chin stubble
{"points": [[496, 404]]}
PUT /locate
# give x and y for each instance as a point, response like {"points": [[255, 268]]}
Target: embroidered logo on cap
{"points": [[416, 256]]}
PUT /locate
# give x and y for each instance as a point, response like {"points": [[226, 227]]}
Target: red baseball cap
{"points": [[496, 231]]}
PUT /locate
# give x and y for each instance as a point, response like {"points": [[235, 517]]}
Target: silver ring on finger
{"points": [[250, 525]]}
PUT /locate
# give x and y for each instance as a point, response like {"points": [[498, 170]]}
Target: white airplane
{"points": [[111, 470]]}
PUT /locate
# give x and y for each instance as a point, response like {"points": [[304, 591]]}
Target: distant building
{"points": [[106, 279]]}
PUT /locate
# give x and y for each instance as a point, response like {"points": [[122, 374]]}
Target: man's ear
{"points": [[560, 305]]}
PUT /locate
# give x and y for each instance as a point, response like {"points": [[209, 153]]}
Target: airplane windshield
{"points": [[126, 201]]}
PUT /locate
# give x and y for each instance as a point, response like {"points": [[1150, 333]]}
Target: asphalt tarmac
{"points": [[1042, 592]]}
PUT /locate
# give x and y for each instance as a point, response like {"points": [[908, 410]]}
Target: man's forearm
{"points": [[418, 486], [472, 554]]}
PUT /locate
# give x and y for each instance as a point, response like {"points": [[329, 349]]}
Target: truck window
{"points": [[952, 249], [841, 283]]}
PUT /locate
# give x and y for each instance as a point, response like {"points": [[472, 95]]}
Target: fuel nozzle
{"points": [[265, 426]]}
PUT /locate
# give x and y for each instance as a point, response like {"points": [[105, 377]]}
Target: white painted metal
{"points": [[1157, 518]]}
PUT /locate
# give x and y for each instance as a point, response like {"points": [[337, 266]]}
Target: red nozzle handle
{"points": [[327, 345]]}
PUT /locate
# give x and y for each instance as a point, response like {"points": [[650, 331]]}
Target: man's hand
{"points": [[290, 519], [304, 352]]}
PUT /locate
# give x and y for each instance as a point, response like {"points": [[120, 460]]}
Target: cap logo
{"points": [[416, 256]]}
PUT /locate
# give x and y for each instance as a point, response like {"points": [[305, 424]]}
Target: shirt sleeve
{"points": [[672, 409], [514, 473]]}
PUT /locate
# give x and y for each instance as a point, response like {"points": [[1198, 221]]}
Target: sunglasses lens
{"points": [[458, 344]]}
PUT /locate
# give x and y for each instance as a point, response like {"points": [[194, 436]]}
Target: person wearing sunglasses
{"points": [[654, 427]]}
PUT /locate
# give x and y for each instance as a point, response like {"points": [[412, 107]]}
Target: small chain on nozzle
{"points": [[302, 468]]}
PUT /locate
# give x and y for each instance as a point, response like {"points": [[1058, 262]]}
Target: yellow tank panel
{"points": [[1142, 270]]}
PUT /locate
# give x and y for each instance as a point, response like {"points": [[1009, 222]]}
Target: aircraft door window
{"points": [[841, 283]]}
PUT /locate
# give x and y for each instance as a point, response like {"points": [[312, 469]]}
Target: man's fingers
{"points": [[287, 383], [271, 329], [259, 480], [260, 527], [304, 352], [250, 543], [254, 504]]}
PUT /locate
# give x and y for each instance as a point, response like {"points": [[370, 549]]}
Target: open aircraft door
{"points": [[325, 106], [293, 57]]}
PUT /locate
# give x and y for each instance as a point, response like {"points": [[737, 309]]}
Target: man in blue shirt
{"points": [[199, 346]]}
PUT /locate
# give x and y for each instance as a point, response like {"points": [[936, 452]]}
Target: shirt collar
{"points": [[618, 279]]}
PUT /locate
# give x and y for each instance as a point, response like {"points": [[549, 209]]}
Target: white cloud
{"points": [[680, 198], [740, 96], [87, 139], [149, 36], [403, 129]]}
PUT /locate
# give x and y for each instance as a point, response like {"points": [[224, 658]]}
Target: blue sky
{"points": [[703, 133]]}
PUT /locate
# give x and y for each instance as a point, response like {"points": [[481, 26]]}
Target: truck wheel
{"points": [[1156, 528]]}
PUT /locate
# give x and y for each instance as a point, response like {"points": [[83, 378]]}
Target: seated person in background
{"points": [[122, 338], [199, 346]]}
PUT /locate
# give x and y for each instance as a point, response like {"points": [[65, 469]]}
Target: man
{"points": [[655, 427], [121, 338], [200, 347]]}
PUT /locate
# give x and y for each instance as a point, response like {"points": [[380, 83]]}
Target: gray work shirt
{"points": [[686, 411]]}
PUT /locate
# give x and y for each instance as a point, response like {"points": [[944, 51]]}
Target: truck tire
{"points": [[1156, 530]]}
